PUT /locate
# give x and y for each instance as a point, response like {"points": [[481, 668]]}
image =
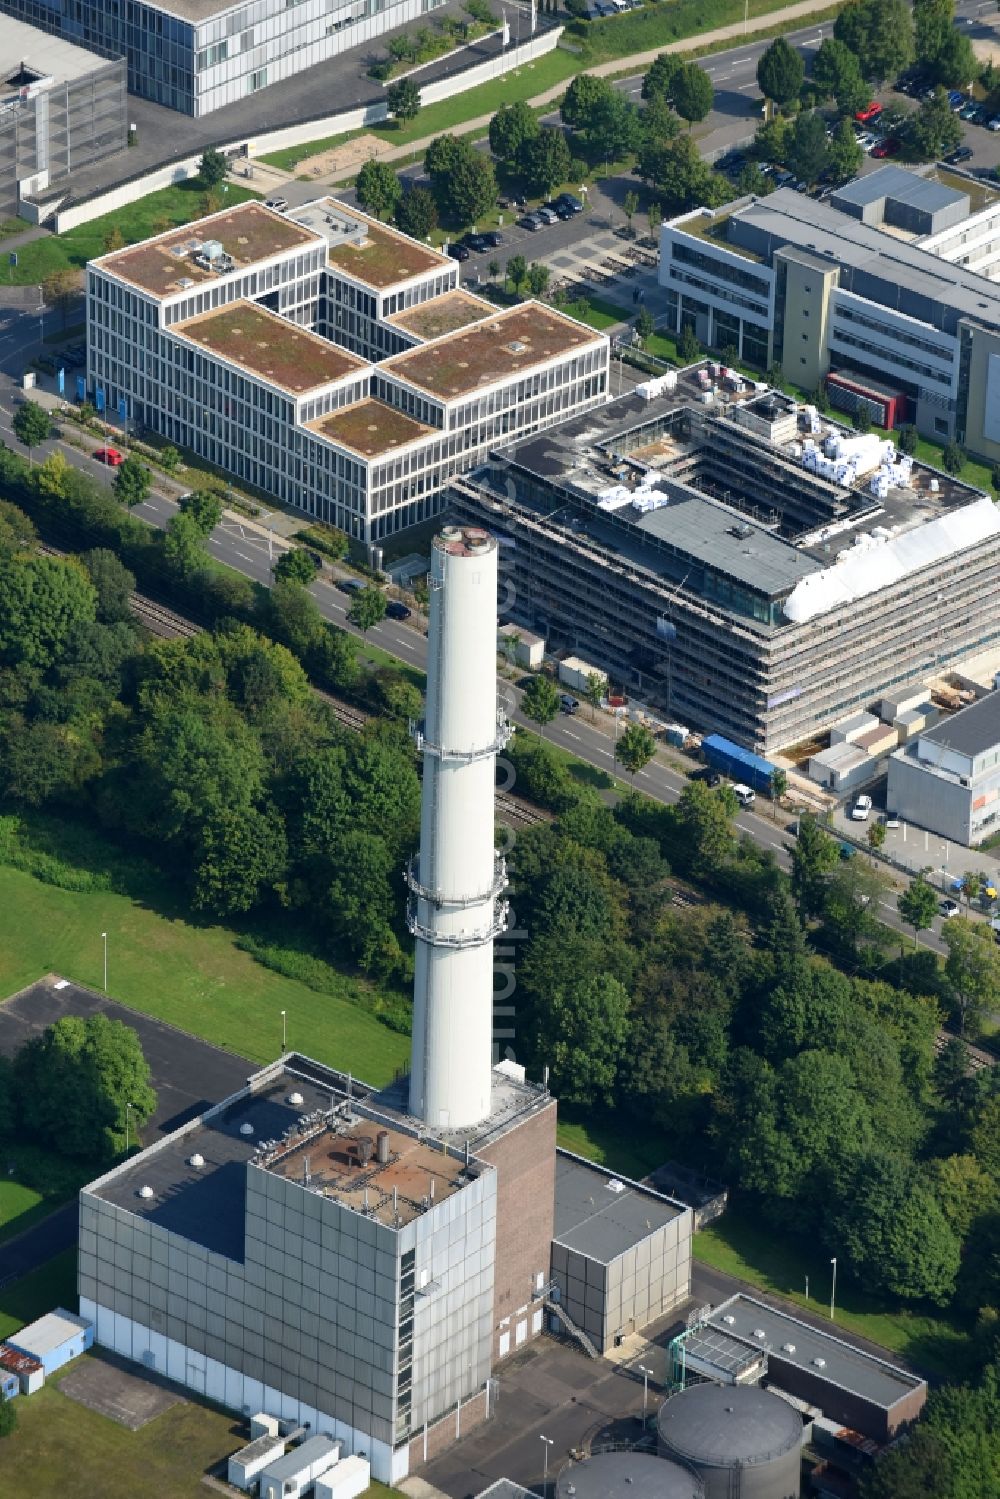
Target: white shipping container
{"points": [[350, 1477], [576, 673]]}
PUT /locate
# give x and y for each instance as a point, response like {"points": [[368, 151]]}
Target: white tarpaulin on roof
{"points": [[875, 564]]}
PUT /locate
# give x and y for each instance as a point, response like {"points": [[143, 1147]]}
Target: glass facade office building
{"points": [[198, 55]]}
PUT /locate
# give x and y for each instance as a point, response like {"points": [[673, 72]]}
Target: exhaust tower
{"points": [[456, 904]]}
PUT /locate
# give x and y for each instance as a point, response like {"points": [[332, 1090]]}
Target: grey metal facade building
{"points": [[947, 779], [306, 1249], [621, 1253], [699, 604], [61, 108], [198, 55]]}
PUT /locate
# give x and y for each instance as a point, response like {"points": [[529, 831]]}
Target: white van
{"points": [[745, 795]]}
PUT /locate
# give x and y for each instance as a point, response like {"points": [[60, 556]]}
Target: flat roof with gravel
{"points": [[247, 233], [444, 314], [505, 345], [370, 428], [271, 347]]}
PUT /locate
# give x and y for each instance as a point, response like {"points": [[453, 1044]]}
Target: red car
{"points": [[111, 456], [888, 147], [870, 112]]}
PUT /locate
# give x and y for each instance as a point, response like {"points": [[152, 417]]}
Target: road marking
{"points": [[570, 735], [740, 87]]}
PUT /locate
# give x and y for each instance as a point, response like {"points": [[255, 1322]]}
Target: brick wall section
{"points": [[525, 1161], [441, 1435]]}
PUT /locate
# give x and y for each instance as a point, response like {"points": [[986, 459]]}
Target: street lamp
{"points": [[128, 1110], [104, 939], [645, 1389], [833, 1288], [284, 1032], [545, 1472]]}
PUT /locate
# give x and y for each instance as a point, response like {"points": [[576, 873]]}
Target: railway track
{"points": [[168, 624], [977, 1060], [161, 621]]}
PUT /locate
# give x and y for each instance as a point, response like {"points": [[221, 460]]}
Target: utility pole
{"points": [[104, 938], [833, 1288]]}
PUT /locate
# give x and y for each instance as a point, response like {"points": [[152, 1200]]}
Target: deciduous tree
{"points": [[544, 160], [32, 425], [918, 905], [780, 72], [378, 189], [74, 1081], [692, 93], [417, 213], [367, 609], [635, 748], [204, 508], [540, 701], [132, 482], [212, 168], [510, 127], [295, 566], [402, 99]]}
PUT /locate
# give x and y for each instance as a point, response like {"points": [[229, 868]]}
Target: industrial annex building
{"points": [[61, 108], [327, 359], [736, 561], [884, 291], [356, 1262], [197, 55], [947, 777]]}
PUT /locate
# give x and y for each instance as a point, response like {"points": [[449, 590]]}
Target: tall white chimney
{"points": [[456, 904]]}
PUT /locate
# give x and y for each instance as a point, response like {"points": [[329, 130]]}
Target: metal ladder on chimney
{"points": [[570, 1326]]}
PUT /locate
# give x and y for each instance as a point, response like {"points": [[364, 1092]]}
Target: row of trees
{"points": [[814, 1092]]}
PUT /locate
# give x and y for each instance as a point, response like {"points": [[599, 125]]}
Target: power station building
{"points": [[735, 560], [327, 359], [61, 108], [888, 292], [357, 1261], [198, 55]]}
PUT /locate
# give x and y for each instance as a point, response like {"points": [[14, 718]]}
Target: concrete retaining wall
{"points": [[298, 135]]}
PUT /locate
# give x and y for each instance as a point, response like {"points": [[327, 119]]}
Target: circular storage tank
{"points": [[744, 1442], [627, 1475]]}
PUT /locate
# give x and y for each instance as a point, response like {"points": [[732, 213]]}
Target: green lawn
{"points": [[20, 1207], [522, 83], [165, 209], [596, 313], [194, 977], [54, 1284], [612, 1142], [750, 1248], [62, 1450]]}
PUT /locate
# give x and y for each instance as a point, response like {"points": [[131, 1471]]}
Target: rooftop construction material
{"points": [[362, 248], [369, 428], [627, 1475], [737, 1438], [445, 314]]}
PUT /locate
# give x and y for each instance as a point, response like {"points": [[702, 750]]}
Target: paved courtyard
{"points": [[120, 1391]]}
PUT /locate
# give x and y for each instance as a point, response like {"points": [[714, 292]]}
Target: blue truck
{"points": [[738, 763]]}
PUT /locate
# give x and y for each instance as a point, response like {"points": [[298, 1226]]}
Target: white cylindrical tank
{"points": [[456, 906], [743, 1442]]}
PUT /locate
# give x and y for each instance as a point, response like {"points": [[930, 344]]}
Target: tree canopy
{"points": [[780, 72]]}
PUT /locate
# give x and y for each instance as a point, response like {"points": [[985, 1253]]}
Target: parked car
{"points": [[394, 609], [713, 779], [889, 147], [847, 851], [279, 205], [745, 795], [870, 112], [861, 810], [477, 243], [573, 204], [968, 111], [993, 123], [892, 819], [351, 585], [956, 98], [458, 251], [493, 239], [568, 704], [317, 559], [530, 221], [949, 908], [110, 456], [548, 215], [514, 201], [961, 153]]}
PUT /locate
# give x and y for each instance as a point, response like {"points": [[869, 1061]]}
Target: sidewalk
{"points": [[620, 66]]}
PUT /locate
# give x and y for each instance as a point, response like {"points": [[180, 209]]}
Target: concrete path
{"points": [[620, 66]]}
